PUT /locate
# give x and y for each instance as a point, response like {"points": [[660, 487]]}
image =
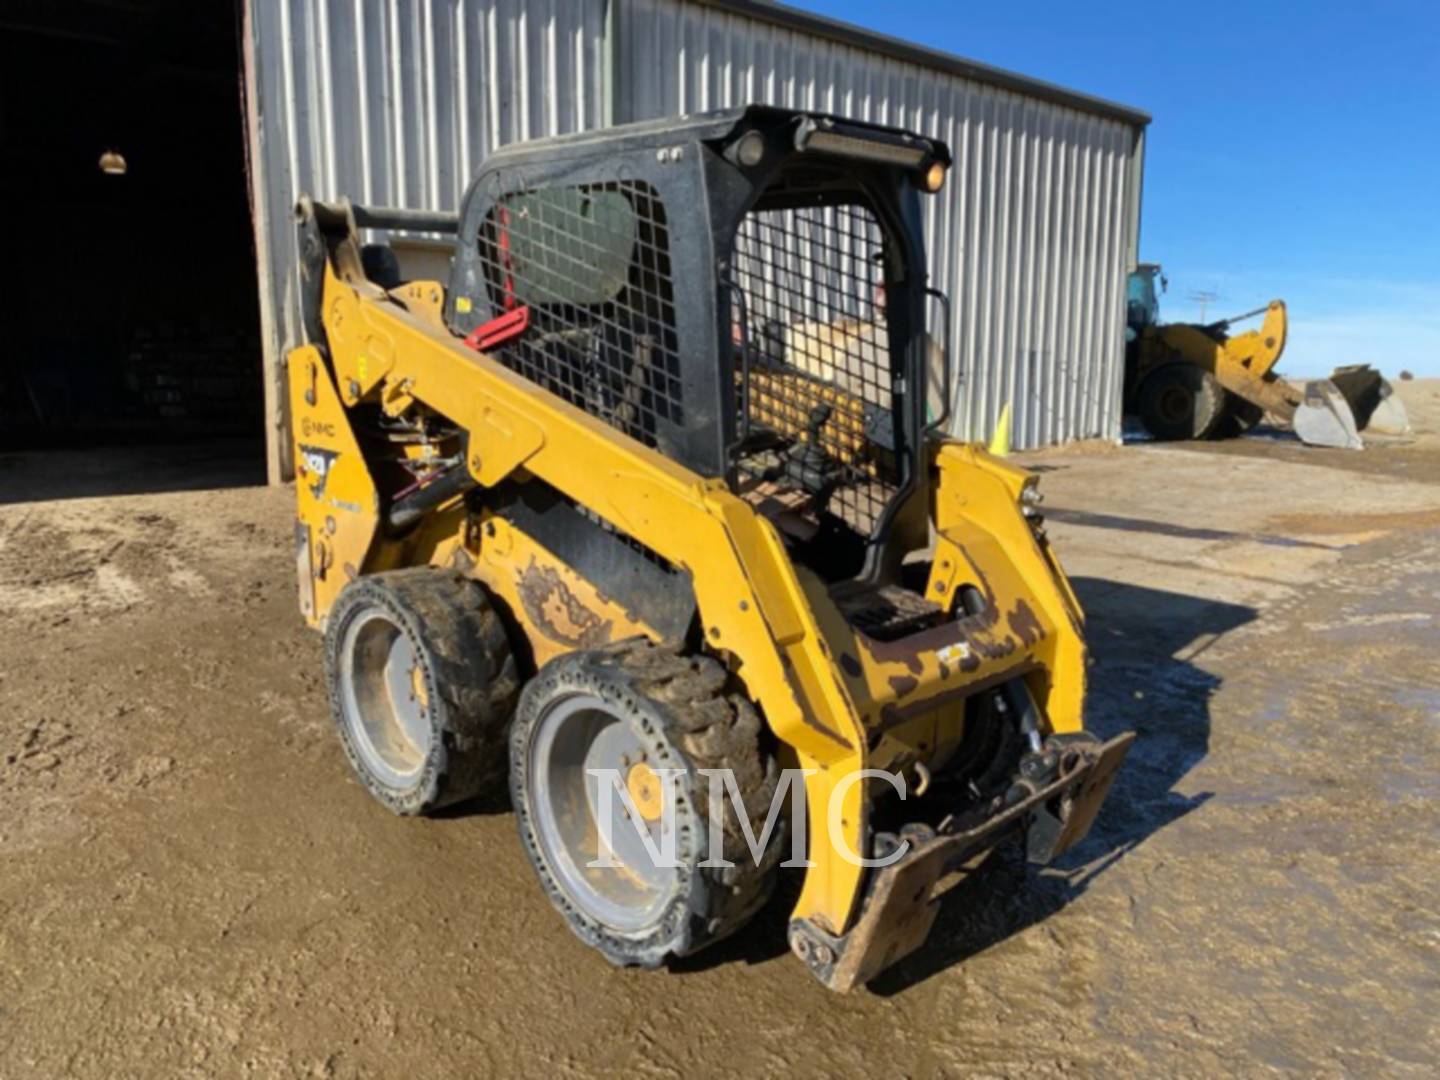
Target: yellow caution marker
{"points": [[1000, 440]]}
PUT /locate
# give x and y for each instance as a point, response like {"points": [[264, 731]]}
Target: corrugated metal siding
{"points": [[396, 103], [1031, 239]]}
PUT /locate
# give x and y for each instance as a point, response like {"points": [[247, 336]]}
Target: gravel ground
{"points": [[191, 883]]}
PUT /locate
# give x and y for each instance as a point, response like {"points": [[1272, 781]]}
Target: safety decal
{"points": [[318, 462], [953, 653]]}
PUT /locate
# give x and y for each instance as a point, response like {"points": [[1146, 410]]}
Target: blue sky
{"points": [[1294, 151]]}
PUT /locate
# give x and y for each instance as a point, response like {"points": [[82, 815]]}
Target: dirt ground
{"points": [[191, 883]]}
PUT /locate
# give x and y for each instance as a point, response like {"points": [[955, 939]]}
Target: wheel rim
{"points": [[1176, 404], [382, 699], [574, 735]]}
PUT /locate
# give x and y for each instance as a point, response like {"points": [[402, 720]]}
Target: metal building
{"points": [[397, 102]]}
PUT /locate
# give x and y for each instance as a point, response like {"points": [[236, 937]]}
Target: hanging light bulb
{"points": [[112, 163]]}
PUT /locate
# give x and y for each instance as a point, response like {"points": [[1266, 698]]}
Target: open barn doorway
{"points": [[131, 357]]}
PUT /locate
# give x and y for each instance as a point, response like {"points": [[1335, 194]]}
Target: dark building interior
{"points": [[131, 312]]}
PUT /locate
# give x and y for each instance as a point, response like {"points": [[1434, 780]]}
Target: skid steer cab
{"points": [[644, 513]]}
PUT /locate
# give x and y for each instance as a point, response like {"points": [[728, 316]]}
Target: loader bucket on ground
{"points": [[1371, 399], [1354, 399], [1389, 416], [1325, 418]]}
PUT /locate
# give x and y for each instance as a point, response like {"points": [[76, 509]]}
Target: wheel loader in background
{"points": [[647, 490], [1188, 381]]}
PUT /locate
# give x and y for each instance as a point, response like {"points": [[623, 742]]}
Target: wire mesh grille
{"points": [[592, 263], [816, 368]]}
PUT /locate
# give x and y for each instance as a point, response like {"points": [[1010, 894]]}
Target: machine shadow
{"points": [[1142, 679]]}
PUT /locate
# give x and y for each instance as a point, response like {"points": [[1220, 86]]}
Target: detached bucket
{"points": [[1354, 399], [1372, 400], [1389, 416]]}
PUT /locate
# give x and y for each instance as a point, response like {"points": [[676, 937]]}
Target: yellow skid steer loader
{"points": [[641, 513]]}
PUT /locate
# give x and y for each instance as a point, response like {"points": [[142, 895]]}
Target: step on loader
{"points": [[641, 518]]}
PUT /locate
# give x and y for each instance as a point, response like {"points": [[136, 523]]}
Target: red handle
{"points": [[499, 330]]}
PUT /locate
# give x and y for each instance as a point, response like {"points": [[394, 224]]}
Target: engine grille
{"points": [[885, 612]]}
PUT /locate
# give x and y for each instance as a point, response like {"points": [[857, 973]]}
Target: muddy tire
{"points": [[1180, 401], [422, 687], [657, 719]]}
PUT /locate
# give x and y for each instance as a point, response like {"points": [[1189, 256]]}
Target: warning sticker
{"points": [[953, 654]]}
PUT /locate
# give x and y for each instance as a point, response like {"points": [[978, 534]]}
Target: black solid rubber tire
{"points": [[680, 707], [471, 683], [1238, 418], [1164, 386]]}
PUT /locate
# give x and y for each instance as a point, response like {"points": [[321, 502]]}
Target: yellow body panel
{"points": [[1243, 363], [559, 610], [336, 499], [838, 701]]}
